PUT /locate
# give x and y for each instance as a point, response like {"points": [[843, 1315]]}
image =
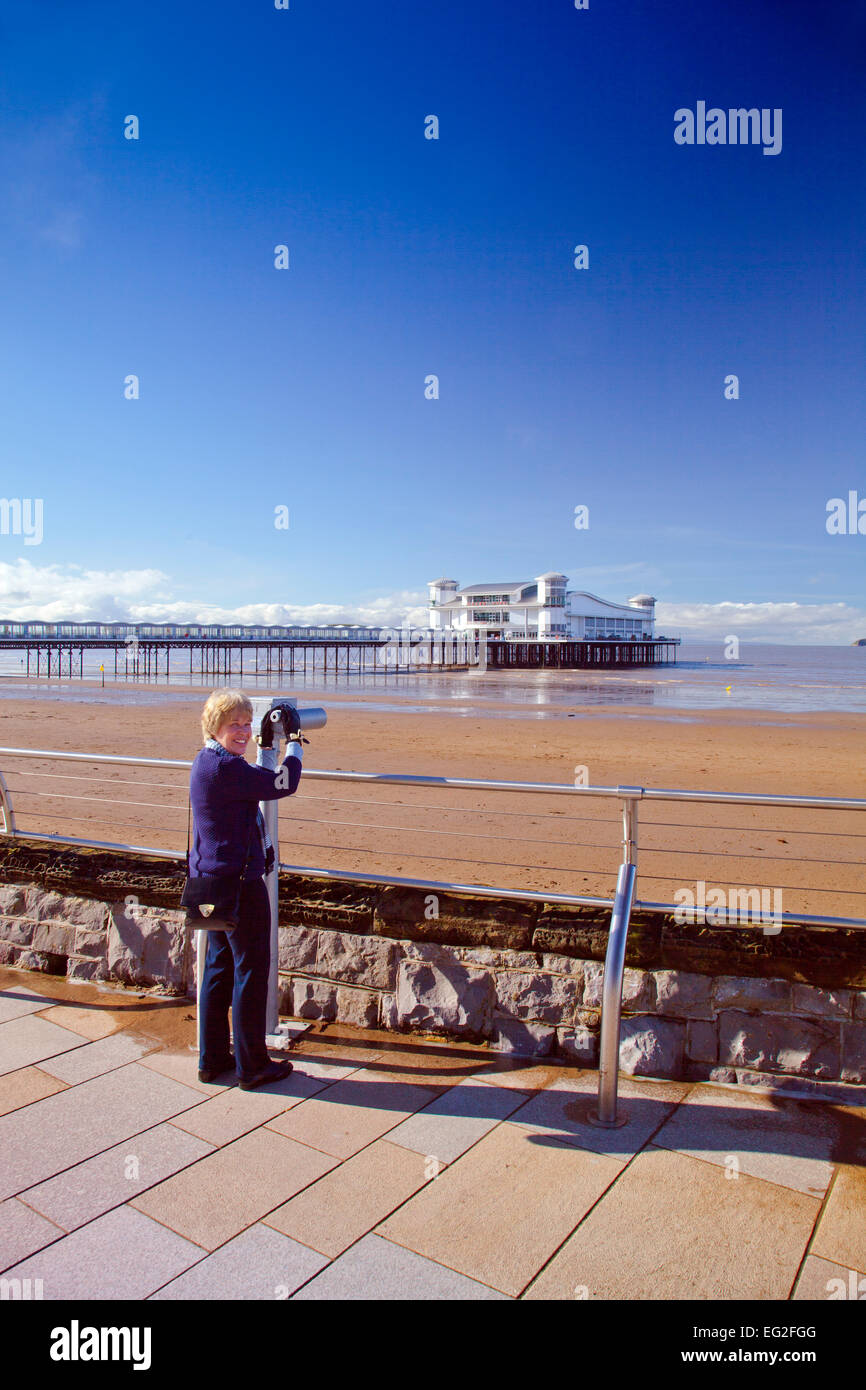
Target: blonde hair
{"points": [[219, 706]]}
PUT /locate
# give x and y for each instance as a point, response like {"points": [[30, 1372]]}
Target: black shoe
{"points": [[274, 1071], [211, 1073]]}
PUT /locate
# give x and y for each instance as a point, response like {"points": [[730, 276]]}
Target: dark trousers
{"points": [[236, 971]]}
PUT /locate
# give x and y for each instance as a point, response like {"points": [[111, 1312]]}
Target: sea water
{"points": [[794, 679]]}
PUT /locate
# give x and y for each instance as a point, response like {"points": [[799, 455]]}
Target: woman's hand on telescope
{"points": [[265, 736], [291, 720], [288, 724]]}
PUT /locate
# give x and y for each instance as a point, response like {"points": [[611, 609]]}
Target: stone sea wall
{"points": [[700, 1003]]}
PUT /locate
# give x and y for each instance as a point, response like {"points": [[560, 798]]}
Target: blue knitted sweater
{"points": [[225, 791]]}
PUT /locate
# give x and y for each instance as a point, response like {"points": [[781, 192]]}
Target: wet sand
{"points": [[540, 842]]}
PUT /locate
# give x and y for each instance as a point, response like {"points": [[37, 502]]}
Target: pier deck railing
{"points": [[40, 765]]}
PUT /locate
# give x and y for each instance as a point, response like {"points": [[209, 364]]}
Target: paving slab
{"points": [[378, 1269], [22, 1231], [259, 1263], [783, 1141], [829, 1282], [29, 1039], [841, 1231], [342, 1050], [120, 1255], [324, 1068], [430, 1062], [234, 1112], [111, 1178], [529, 1076], [95, 1058], [346, 1203], [532, 1201], [674, 1227], [458, 1119], [500, 1212], [234, 1187], [562, 1111], [183, 1067], [91, 1023], [17, 1001], [64, 1129], [354, 1112], [23, 1087]]}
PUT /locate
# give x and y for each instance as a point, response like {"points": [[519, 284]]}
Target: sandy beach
{"points": [[538, 842]]}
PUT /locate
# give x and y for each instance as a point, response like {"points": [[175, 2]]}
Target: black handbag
{"points": [[213, 901]]}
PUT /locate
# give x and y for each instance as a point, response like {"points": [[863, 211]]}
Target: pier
{"points": [[581, 656], [150, 657]]}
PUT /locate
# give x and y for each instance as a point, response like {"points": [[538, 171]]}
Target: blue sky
{"points": [[305, 387]]}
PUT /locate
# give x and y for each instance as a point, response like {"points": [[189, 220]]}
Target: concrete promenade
{"points": [[394, 1167]]}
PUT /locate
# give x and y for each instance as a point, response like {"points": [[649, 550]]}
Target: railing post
{"points": [[270, 811], [201, 940], [267, 758], [605, 1115], [6, 809]]}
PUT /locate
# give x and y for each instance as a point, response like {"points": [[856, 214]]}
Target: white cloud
{"points": [[55, 592], [794, 623], [388, 611]]}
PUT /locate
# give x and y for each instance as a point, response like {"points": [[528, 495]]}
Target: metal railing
{"points": [[621, 903]]}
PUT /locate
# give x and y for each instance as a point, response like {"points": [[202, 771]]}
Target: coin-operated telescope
{"points": [[283, 718]]}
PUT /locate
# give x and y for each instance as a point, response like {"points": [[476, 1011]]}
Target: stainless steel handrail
{"points": [[472, 783]]}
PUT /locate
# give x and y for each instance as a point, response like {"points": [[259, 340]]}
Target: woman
{"points": [[225, 791]]}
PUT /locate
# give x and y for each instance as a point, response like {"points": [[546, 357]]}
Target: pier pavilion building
{"points": [[543, 609]]}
